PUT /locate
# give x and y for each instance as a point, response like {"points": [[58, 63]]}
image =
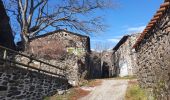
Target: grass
{"points": [[126, 77], [92, 83], [74, 94], [134, 92]]}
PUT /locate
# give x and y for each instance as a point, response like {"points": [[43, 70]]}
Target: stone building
{"points": [[123, 57], [95, 65], [70, 42], [153, 54], [101, 64], [107, 66], [65, 49], [6, 36]]}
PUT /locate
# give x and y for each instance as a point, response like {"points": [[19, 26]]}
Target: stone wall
{"points": [[74, 66], [64, 49], [123, 57], [153, 58], [101, 64], [95, 69], [22, 84], [107, 65], [60, 41]]}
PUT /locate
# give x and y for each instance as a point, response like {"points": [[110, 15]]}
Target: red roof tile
{"points": [[157, 16]]}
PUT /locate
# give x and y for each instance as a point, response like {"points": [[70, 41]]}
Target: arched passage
{"points": [[105, 70]]}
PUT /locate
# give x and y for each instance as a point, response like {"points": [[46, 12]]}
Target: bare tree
{"points": [[34, 16], [102, 46]]}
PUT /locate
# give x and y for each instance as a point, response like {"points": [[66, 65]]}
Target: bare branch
{"points": [[35, 16]]}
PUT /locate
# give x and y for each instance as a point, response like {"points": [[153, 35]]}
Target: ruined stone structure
{"points": [[95, 69], [153, 54], [123, 57], [101, 64], [107, 67], [6, 36], [65, 49], [22, 84]]}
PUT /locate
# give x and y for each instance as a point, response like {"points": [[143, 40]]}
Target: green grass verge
{"points": [[134, 92], [126, 77], [67, 96]]}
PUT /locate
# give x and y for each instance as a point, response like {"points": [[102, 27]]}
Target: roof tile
{"points": [[157, 16]]}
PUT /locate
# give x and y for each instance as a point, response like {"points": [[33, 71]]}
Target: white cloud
{"points": [[95, 40], [115, 40], [136, 29]]}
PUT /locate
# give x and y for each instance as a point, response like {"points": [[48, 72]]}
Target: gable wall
{"points": [[125, 57]]}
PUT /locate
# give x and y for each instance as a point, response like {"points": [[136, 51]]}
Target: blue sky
{"points": [[129, 17]]}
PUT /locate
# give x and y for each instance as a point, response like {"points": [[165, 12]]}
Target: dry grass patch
{"points": [[74, 94], [77, 92], [126, 77], [91, 83], [94, 83], [134, 92]]}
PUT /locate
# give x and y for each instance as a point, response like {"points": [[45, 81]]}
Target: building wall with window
{"points": [[64, 49], [123, 56], [70, 42]]}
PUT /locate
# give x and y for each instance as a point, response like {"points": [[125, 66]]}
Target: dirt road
{"points": [[110, 89]]}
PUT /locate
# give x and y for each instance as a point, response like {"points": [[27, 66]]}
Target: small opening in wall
{"points": [[3, 88], [105, 70]]}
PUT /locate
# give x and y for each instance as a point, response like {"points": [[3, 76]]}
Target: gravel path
{"points": [[109, 90]]}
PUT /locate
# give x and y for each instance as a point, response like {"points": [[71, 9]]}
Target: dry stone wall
{"points": [[74, 66], [124, 58], [107, 66], [153, 59], [95, 69], [101, 64], [22, 84]]}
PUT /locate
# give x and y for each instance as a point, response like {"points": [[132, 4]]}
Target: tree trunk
{"points": [[25, 42], [6, 36]]}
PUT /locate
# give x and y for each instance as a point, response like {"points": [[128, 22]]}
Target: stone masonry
{"points": [[95, 69], [64, 49], [123, 57], [153, 56], [22, 84], [107, 66]]}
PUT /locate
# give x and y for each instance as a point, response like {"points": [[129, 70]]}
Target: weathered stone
{"points": [[13, 88], [72, 54], [95, 65], [107, 64], [27, 88], [124, 57], [13, 93], [3, 88], [153, 59]]}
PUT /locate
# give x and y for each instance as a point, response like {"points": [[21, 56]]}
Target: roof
{"points": [[123, 40], [60, 30], [159, 14]]}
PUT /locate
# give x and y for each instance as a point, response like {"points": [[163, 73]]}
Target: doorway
{"points": [[105, 70]]}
